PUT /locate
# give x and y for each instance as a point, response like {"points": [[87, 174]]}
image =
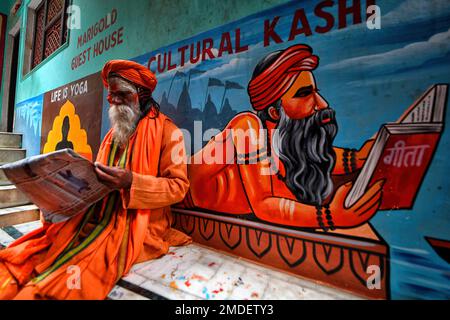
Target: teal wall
{"points": [[5, 6], [148, 25]]}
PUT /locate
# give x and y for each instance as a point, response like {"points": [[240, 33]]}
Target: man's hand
{"points": [[114, 177]]}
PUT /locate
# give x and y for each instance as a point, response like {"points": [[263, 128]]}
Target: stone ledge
{"points": [[17, 215]]}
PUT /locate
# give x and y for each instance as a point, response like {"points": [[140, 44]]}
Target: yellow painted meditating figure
{"points": [[287, 179], [132, 224], [67, 133]]}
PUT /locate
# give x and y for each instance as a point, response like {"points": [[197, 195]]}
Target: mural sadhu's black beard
{"points": [[305, 147]]}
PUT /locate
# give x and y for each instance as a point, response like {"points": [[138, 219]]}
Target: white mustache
{"points": [[123, 120]]}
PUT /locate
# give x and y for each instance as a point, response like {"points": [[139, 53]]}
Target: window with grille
{"points": [[50, 30]]}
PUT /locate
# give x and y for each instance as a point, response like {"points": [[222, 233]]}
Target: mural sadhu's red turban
{"points": [[131, 71], [272, 83]]}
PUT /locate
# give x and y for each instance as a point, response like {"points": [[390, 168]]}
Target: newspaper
{"points": [[61, 183]]}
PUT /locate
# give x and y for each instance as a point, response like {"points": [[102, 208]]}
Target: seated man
{"points": [[132, 224], [285, 176]]}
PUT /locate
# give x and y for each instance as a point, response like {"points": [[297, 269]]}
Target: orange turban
{"points": [[131, 71], [272, 83]]}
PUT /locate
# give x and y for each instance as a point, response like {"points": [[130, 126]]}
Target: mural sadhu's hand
{"points": [[361, 211], [114, 177]]}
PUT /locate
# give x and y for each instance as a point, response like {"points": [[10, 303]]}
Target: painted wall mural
{"points": [[70, 117], [344, 145], [28, 122]]}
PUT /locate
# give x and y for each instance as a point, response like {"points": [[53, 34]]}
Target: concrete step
{"points": [[10, 196], [3, 180], [10, 155], [20, 214], [10, 140]]}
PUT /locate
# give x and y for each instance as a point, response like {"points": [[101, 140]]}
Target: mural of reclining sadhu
{"points": [[288, 179]]}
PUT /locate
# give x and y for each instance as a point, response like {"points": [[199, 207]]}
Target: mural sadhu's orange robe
{"points": [[126, 227]]}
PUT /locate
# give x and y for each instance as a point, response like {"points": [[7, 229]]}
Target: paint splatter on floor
{"points": [[198, 277], [238, 282], [205, 292], [217, 291], [173, 285]]}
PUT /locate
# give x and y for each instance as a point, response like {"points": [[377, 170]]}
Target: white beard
{"points": [[123, 120]]}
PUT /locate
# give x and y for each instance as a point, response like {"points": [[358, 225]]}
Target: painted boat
{"points": [[442, 247]]}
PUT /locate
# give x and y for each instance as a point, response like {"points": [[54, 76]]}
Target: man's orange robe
{"points": [[126, 227]]}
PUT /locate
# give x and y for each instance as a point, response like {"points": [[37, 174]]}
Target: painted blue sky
{"points": [[369, 77], [28, 121]]}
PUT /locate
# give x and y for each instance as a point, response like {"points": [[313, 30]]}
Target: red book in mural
{"points": [[403, 151]]}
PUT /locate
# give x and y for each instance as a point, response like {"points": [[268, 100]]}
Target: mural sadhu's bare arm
{"points": [[294, 213]]}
